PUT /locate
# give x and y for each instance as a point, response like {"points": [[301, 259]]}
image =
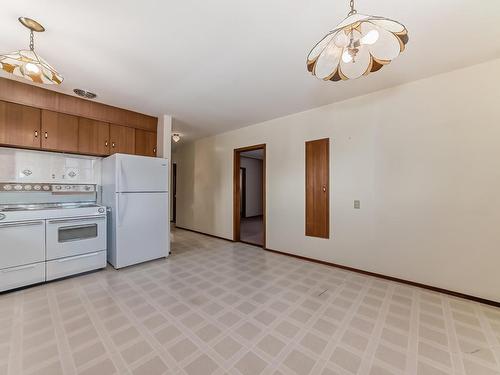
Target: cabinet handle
{"points": [[154, 150], [46, 135], [106, 143], [36, 133], [324, 188], [113, 144]]}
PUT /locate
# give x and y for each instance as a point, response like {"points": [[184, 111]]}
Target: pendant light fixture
{"points": [[27, 63], [358, 46]]}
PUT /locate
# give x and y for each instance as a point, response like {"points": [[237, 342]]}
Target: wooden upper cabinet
{"points": [[59, 131], [93, 137], [145, 143], [19, 125], [37, 96], [122, 139], [317, 189]]}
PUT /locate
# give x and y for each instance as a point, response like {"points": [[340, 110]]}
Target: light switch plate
{"points": [[357, 204]]}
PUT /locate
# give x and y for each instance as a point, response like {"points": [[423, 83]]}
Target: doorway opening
{"points": [[249, 195]]}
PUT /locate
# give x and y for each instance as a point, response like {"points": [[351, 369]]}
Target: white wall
{"points": [[164, 147], [164, 136], [253, 169], [423, 158]]}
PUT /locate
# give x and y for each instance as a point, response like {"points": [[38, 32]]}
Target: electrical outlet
{"points": [[357, 204]]}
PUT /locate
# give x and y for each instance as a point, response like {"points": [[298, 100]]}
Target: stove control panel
{"points": [[54, 188], [73, 188]]}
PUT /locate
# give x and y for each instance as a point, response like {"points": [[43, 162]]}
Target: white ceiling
{"points": [[223, 64]]}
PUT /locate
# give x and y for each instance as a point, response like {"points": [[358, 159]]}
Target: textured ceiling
{"points": [[223, 64]]}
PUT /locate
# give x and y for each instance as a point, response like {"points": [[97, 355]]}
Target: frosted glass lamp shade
{"points": [[359, 45], [27, 64]]}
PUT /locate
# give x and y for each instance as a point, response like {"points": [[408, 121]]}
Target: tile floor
{"points": [[215, 307]]}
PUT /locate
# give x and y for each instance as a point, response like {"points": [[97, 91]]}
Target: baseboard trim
{"points": [[205, 234], [395, 279], [368, 273]]}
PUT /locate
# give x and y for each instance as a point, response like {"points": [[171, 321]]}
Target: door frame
{"points": [[236, 190], [243, 211], [174, 192]]}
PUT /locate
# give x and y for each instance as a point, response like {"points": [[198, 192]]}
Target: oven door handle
{"points": [[83, 218]]}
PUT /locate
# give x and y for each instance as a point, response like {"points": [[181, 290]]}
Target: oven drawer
{"points": [[68, 237], [16, 277], [77, 264], [22, 243]]}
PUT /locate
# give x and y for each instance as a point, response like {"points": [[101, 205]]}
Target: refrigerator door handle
{"points": [[122, 178], [119, 176], [118, 209], [122, 208]]}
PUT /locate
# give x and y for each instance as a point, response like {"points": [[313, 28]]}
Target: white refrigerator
{"points": [[135, 189]]}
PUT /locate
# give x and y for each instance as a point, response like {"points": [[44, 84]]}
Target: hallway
{"points": [[252, 230]]}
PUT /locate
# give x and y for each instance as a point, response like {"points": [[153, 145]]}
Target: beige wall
{"points": [[423, 158]]}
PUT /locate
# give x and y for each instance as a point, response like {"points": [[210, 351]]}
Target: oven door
{"points": [[75, 236]]}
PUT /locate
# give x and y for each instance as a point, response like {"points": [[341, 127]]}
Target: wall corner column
{"points": [[164, 134]]}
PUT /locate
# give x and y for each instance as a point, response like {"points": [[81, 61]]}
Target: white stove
{"points": [[49, 231], [42, 211]]}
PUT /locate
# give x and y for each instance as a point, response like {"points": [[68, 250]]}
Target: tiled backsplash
{"points": [[17, 165]]}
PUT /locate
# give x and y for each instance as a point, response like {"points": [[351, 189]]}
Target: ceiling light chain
{"points": [[353, 11], [32, 41]]}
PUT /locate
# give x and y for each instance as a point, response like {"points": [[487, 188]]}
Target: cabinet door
{"points": [[93, 137], [317, 190], [122, 139], [145, 143], [59, 131], [19, 125]]}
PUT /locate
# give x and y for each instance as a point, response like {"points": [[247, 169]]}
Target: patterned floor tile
{"points": [[216, 307]]}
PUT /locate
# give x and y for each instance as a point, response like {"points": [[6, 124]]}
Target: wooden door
{"points": [[145, 143], [59, 131], [317, 189], [19, 125], [122, 139], [93, 137]]}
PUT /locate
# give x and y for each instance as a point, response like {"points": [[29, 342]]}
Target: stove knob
{"points": [[27, 187], [2, 216], [67, 187], [101, 210], [18, 187], [58, 187], [46, 187], [7, 187], [87, 188], [37, 187]]}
